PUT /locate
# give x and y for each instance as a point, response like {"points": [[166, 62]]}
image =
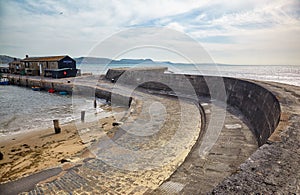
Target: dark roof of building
{"points": [[43, 59]]}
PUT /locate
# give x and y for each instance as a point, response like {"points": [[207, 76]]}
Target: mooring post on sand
{"points": [[56, 126], [95, 103], [82, 115], [129, 102]]}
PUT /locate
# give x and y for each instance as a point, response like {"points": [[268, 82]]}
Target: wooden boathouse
{"points": [[48, 66]]}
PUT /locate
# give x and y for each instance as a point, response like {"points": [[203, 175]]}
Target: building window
{"points": [[67, 61], [26, 65]]}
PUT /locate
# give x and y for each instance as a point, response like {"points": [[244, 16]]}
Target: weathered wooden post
{"points": [[82, 115], [56, 126], [129, 103], [18, 81], [95, 103]]}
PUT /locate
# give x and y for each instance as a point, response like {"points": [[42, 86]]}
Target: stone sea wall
{"points": [[45, 84], [259, 106]]}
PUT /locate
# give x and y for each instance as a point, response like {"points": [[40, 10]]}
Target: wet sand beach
{"points": [[31, 152]]}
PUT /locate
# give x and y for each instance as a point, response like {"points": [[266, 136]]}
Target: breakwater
{"points": [[271, 111], [259, 106]]}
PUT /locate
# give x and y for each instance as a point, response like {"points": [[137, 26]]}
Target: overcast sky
{"points": [[234, 32]]}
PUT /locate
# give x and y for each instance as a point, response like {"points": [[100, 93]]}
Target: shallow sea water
{"points": [[22, 109]]}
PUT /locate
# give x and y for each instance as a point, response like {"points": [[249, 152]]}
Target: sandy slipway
{"points": [[257, 150]]}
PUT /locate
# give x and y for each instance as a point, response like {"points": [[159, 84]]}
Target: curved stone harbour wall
{"points": [[258, 105]]}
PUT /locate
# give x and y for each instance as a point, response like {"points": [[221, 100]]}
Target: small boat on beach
{"points": [[51, 90], [63, 93], [36, 88], [4, 81]]}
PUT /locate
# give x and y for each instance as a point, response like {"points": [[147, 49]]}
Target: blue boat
{"points": [[4, 81], [35, 88], [63, 93]]}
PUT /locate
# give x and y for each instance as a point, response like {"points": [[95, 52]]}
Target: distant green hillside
{"points": [[91, 60], [132, 61], [4, 59], [95, 60]]}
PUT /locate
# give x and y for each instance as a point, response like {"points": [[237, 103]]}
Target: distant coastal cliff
{"points": [[4, 59], [94, 60]]}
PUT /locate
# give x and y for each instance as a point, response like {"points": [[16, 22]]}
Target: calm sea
{"points": [[283, 74], [22, 109]]}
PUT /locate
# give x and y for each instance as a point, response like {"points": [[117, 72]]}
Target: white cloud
{"points": [[176, 26], [74, 27]]}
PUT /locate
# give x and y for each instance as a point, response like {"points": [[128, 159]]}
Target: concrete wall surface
{"points": [[259, 106]]}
